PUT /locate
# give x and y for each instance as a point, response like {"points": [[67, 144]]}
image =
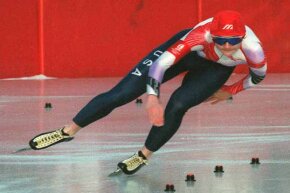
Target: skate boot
{"points": [[44, 140], [133, 164]]}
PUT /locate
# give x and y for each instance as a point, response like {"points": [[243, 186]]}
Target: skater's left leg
{"points": [[197, 86], [201, 82]]}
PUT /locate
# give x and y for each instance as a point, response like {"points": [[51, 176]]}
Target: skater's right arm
{"points": [[155, 77], [190, 42], [155, 111], [158, 68]]}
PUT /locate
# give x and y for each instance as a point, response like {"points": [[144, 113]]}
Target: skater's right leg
{"points": [[128, 89], [125, 91], [71, 129]]}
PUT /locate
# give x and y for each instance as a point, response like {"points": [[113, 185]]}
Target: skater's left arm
{"points": [[257, 64], [219, 96]]}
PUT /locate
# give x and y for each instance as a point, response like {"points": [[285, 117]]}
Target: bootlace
{"points": [[49, 138], [135, 161]]}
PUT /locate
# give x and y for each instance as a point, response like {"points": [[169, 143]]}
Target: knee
{"points": [[176, 107], [113, 96], [117, 96]]}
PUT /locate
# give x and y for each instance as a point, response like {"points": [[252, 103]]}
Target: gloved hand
{"points": [[219, 96], [155, 110]]}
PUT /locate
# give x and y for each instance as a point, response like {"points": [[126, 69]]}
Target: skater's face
{"points": [[228, 45]]}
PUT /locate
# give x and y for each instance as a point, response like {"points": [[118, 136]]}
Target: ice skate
{"points": [[131, 165], [45, 140]]}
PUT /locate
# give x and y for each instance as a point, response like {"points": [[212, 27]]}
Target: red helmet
{"points": [[227, 23]]}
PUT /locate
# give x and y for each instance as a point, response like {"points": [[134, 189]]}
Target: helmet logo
{"points": [[228, 26]]}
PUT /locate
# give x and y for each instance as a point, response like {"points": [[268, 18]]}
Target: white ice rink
{"points": [[255, 124]]}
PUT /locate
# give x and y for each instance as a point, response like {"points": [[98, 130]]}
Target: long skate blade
{"points": [[21, 150], [115, 173]]}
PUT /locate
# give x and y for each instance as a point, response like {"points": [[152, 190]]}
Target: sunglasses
{"points": [[233, 41]]}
